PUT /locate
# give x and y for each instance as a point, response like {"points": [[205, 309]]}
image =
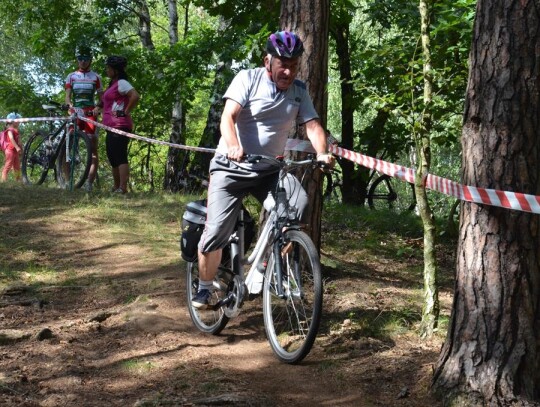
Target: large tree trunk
{"points": [[309, 19], [491, 352]]}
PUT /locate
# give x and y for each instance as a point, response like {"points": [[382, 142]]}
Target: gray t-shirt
{"points": [[267, 114]]}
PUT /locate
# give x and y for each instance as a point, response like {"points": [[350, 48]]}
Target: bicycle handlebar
{"points": [[281, 162], [52, 106]]}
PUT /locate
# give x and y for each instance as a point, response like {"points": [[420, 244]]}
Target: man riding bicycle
{"points": [[82, 86], [261, 106]]}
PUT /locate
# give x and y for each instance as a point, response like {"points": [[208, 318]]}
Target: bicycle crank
{"points": [[235, 298]]}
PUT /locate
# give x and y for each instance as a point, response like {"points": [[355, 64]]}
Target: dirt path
{"points": [[81, 343]]}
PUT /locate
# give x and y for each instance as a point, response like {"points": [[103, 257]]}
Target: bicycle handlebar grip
{"points": [[253, 158]]}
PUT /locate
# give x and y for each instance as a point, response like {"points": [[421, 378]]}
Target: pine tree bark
{"points": [[491, 355], [310, 20]]}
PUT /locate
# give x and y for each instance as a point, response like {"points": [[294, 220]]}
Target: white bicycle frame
{"points": [[255, 276]]}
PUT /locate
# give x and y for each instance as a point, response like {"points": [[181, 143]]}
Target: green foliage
{"points": [[387, 67], [387, 80], [248, 13], [383, 44]]}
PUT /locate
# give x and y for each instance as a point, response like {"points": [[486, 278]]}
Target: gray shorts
{"points": [[229, 185]]}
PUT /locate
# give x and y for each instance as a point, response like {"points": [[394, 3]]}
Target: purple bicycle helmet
{"points": [[284, 44]]}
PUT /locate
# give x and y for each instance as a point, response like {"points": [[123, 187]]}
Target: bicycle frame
{"points": [[272, 231], [56, 138], [254, 277], [43, 150], [62, 136], [284, 267], [62, 132]]}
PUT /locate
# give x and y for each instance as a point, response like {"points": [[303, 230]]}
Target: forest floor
{"points": [[93, 313]]}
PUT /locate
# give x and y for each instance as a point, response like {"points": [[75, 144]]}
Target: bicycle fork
{"points": [[289, 282], [278, 268]]}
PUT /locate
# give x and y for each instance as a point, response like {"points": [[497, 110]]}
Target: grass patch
{"points": [[137, 366], [37, 239]]}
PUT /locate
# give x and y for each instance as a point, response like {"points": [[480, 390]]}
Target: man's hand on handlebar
{"points": [[327, 159], [235, 153]]}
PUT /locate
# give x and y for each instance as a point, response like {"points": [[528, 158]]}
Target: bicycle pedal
{"points": [[223, 302]]}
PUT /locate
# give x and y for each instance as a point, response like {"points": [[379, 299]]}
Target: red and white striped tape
{"points": [[34, 119], [494, 197], [131, 135], [149, 140], [397, 171], [504, 199]]}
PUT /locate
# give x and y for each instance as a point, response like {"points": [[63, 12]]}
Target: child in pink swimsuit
{"points": [[13, 149]]}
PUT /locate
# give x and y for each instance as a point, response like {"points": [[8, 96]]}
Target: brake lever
{"points": [[253, 158]]}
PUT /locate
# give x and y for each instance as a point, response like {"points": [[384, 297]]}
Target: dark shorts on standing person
{"points": [[117, 148]]}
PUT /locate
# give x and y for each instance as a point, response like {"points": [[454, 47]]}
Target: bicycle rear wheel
{"points": [[35, 159], [292, 321], [386, 193], [208, 321], [80, 152]]}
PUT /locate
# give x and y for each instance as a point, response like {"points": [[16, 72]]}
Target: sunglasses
{"points": [[83, 59]]}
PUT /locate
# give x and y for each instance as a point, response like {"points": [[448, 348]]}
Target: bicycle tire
{"points": [[35, 159], [292, 323], [207, 321], [332, 187], [79, 165], [383, 195]]}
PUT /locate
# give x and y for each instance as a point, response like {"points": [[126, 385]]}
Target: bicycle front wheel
{"points": [[292, 320], [35, 159], [388, 193], [209, 320], [78, 164]]}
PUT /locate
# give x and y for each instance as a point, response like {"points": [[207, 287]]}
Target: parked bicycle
{"points": [[284, 266], [382, 191], [63, 148]]}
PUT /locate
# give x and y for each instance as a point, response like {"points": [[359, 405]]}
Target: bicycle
{"points": [[382, 191], [284, 265], [63, 147]]}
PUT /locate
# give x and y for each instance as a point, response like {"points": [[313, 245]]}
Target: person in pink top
{"points": [[119, 100], [13, 149]]}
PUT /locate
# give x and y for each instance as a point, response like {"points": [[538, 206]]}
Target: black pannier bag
{"points": [[193, 221], [192, 227]]}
